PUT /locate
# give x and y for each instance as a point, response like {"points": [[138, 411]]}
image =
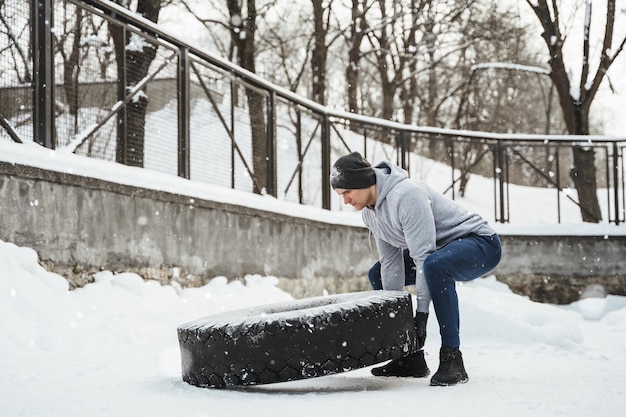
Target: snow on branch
{"points": [[509, 66]]}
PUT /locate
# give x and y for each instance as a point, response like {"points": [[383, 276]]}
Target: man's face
{"points": [[358, 198]]}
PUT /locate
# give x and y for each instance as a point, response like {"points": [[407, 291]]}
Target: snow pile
{"points": [[492, 312], [111, 348]]}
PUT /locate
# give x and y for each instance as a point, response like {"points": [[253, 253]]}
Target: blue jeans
{"points": [[463, 259]]}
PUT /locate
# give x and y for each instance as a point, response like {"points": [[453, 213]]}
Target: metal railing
{"points": [[205, 119]]}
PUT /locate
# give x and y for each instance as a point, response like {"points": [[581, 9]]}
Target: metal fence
{"points": [[95, 79]]}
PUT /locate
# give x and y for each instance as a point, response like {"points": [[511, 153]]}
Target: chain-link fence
{"points": [[92, 78], [16, 70]]}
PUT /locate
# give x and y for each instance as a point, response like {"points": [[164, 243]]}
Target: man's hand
{"points": [[420, 328]]}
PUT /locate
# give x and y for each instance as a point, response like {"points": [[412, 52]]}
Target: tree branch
{"points": [[607, 56], [585, 58]]}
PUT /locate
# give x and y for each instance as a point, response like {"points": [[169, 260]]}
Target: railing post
{"points": [[499, 174], [404, 152], [272, 174], [300, 155], [122, 119], [325, 162], [616, 182], [452, 161], [558, 182], [234, 99], [43, 73], [184, 150], [364, 142]]}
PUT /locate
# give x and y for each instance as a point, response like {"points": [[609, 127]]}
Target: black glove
{"points": [[420, 328]]}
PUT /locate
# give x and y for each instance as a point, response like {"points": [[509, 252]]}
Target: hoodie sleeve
{"points": [[391, 266], [390, 257], [418, 227]]}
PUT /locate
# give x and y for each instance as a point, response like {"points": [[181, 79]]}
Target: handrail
{"points": [[153, 29]]}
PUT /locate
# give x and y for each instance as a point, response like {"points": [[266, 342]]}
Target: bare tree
{"points": [[133, 57], [358, 28], [16, 48], [322, 13], [389, 58], [495, 97], [412, 41], [321, 16], [233, 30], [217, 24], [243, 36], [290, 48], [576, 101], [71, 56]]}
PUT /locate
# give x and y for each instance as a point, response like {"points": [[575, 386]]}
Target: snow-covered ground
{"points": [[111, 349]]}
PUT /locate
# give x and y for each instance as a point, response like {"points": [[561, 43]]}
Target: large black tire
{"points": [[298, 339]]}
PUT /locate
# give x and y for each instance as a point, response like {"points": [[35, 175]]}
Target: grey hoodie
{"points": [[410, 214]]}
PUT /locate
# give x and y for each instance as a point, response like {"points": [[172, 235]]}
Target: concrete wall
{"points": [[562, 269], [80, 225]]}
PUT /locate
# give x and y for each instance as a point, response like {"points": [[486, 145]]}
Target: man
{"points": [[424, 238]]}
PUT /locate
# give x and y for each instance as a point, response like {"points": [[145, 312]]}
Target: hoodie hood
{"points": [[387, 176]]}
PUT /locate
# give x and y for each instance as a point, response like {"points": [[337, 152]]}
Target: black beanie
{"points": [[352, 172]]}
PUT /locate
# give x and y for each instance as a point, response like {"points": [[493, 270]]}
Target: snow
{"points": [[63, 160], [137, 43], [511, 66], [300, 308], [111, 348]]}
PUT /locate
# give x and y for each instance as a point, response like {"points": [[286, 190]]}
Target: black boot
{"points": [[412, 365], [451, 370]]}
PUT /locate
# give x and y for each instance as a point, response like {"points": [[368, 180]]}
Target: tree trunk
{"points": [[258, 128], [71, 68], [357, 33], [576, 109], [243, 37], [318, 55], [132, 67], [583, 172], [409, 87], [584, 176]]}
